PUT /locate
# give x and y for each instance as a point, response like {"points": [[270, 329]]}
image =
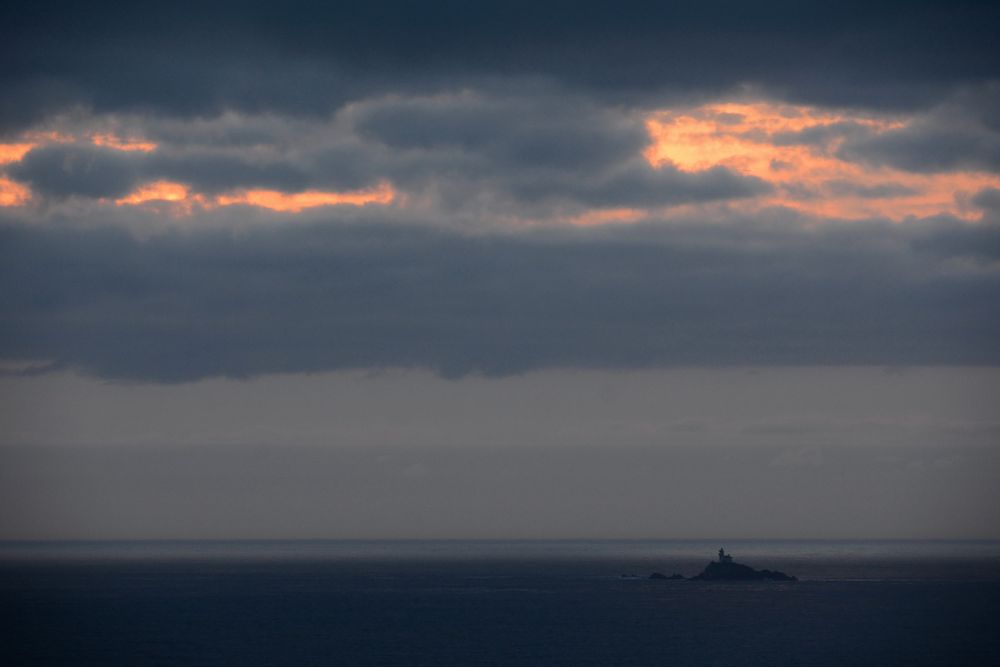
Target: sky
{"points": [[499, 270]]}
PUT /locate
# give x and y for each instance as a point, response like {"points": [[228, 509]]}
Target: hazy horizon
{"points": [[689, 453]]}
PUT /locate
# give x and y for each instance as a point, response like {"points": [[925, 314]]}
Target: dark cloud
{"points": [[988, 199], [94, 172], [89, 171], [181, 306], [636, 184], [929, 148], [979, 244], [310, 57], [962, 133], [62, 171], [214, 173], [515, 131]]}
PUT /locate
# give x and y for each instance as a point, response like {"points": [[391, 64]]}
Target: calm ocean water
{"points": [[496, 603]]}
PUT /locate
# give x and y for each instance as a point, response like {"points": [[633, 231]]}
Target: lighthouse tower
{"points": [[724, 557]]}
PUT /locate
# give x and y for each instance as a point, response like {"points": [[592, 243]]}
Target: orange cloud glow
{"points": [[296, 202], [13, 194], [606, 216], [14, 152], [122, 144], [183, 201], [158, 191], [740, 137]]}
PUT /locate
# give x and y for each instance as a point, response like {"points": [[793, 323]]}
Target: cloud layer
{"points": [[497, 187], [310, 297], [308, 57], [486, 159]]}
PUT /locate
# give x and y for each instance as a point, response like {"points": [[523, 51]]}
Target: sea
{"points": [[496, 603]]}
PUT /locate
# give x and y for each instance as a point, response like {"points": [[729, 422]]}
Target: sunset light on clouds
{"points": [[297, 201], [13, 194], [158, 191], [13, 152], [180, 194], [120, 144], [796, 150], [162, 191]]}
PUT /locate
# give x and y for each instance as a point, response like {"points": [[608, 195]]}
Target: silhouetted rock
{"points": [[729, 571], [725, 569]]}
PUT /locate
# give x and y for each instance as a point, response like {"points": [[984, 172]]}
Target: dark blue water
{"points": [[496, 603]]}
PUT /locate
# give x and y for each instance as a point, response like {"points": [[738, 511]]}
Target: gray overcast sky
{"points": [[499, 269]]}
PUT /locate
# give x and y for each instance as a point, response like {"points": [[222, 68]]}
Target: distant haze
{"points": [[816, 452]]}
